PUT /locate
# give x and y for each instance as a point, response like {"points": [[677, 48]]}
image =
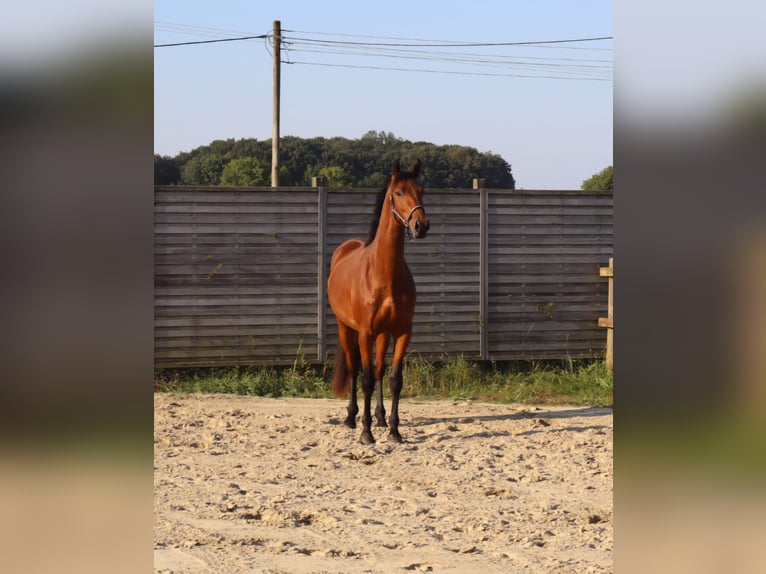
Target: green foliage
{"points": [[454, 378], [588, 383], [601, 181], [166, 170], [300, 380], [376, 179], [364, 162], [335, 176], [245, 172], [203, 169]]}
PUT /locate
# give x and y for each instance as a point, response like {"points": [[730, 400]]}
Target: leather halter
{"points": [[400, 217]]}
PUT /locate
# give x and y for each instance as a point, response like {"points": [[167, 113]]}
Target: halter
{"points": [[402, 220]]}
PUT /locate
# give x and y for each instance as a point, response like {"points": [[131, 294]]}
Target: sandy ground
{"points": [[245, 484]]}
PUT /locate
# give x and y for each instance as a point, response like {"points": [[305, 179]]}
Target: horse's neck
{"points": [[388, 246]]}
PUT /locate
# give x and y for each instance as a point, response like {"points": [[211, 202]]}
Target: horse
{"points": [[372, 293]]}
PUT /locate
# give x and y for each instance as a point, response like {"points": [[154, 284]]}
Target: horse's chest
{"points": [[392, 309]]}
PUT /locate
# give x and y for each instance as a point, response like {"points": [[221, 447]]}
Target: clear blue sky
{"points": [[554, 132]]}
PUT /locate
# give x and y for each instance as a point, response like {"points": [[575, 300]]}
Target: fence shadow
{"points": [[522, 415], [601, 429]]}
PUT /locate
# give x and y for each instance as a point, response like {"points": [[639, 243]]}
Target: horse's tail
{"points": [[341, 378]]}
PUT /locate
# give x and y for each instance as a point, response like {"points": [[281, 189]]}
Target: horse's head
{"points": [[406, 199]]}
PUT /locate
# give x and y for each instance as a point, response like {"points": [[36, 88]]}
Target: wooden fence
{"points": [[240, 274]]}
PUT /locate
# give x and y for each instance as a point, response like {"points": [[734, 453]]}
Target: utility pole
{"points": [[277, 34]]}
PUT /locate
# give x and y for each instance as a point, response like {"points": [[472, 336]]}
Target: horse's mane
{"points": [[375, 221], [379, 200]]}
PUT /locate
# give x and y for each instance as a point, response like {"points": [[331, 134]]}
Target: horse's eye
{"points": [[398, 193]]}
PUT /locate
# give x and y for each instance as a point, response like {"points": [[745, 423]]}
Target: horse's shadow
{"points": [[541, 415]]}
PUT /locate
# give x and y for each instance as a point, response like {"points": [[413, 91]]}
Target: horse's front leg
{"points": [[349, 344], [381, 346], [368, 386], [397, 364]]}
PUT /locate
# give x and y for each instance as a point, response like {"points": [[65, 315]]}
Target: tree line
{"points": [[363, 162]]}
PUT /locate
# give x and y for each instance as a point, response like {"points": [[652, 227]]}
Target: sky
{"points": [[554, 132]]}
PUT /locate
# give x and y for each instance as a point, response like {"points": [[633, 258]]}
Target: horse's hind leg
{"points": [[381, 346], [352, 408], [380, 409]]}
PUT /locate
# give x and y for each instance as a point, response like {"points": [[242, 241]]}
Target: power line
{"points": [[208, 31], [452, 72], [260, 36], [418, 49], [554, 67], [593, 72], [469, 57], [404, 41], [460, 58], [426, 42], [448, 44]]}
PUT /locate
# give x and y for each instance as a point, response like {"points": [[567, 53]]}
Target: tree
{"points": [[166, 170], [335, 176], [245, 172], [601, 181], [203, 169], [375, 179]]}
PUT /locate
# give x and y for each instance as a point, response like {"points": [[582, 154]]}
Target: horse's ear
{"points": [[416, 169], [397, 168]]}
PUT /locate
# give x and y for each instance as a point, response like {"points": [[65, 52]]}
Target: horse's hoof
{"points": [[394, 436], [381, 423], [350, 423], [366, 438]]}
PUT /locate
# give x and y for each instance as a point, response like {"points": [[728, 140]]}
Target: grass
{"points": [[300, 380], [551, 383]]}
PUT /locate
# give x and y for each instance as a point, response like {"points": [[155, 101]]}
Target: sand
{"points": [[247, 484]]}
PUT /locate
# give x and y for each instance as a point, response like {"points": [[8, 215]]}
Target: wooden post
{"points": [[483, 270], [608, 322], [275, 104], [321, 269]]}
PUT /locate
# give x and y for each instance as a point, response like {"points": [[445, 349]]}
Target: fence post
{"points": [[608, 322], [318, 182], [483, 268]]}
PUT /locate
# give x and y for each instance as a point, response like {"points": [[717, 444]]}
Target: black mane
{"points": [[375, 221]]}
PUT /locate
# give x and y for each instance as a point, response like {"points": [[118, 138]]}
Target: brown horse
{"points": [[372, 294]]}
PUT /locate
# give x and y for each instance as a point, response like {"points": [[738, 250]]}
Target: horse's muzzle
{"points": [[420, 227]]}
